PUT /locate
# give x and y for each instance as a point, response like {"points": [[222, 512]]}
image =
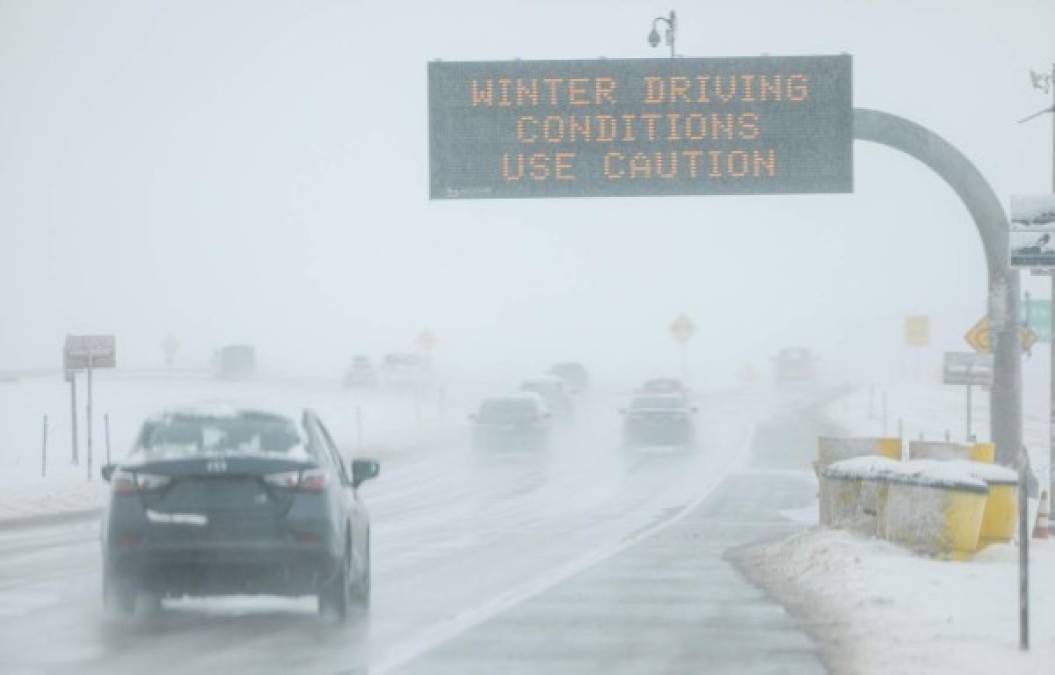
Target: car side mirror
{"points": [[106, 471], [363, 470]]}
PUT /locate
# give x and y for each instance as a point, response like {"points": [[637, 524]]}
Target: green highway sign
{"points": [[1038, 313]]}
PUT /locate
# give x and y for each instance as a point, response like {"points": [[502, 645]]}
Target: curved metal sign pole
{"points": [[1005, 397]]}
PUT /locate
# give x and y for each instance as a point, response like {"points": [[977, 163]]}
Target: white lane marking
{"points": [[432, 637]]}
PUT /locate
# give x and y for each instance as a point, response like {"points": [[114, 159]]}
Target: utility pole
{"points": [[1046, 83]]}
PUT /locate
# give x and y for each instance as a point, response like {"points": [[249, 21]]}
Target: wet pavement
{"points": [[586, 558]]}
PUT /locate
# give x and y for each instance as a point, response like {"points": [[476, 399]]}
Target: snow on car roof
{"points": [[520, 396], [544, 379], [228, 410]]}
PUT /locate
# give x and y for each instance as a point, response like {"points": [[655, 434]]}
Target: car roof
{"points": [[642, 395], [543, 379], [525, 396], [229, 410]]}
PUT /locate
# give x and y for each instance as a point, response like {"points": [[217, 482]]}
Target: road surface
{"points": [[586, 558]]}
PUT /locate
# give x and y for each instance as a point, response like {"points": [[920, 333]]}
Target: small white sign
{"points": [[1031, 242], [967, 368], [1032, 212], [95, 351]]}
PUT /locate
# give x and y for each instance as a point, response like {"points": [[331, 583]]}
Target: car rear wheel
{"points": [[361, 592], [334, 594], [119, 594]]}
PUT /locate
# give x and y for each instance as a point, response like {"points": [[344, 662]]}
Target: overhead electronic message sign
{"points": [[613, 127]]}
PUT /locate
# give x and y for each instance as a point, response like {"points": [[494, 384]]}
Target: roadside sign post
{"points": [[106, 424], [88, 352], [968, 369], [1032, 245], [682, 329], [71, 377], [1023, 551], [44, 451], [88, 418], [917, 335]]}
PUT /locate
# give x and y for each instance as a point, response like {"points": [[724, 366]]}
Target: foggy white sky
{"points": [[256, 171]]}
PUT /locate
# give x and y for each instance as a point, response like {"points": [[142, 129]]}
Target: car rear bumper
{"points": [[511, 437], [222, 569], [646, 433]]}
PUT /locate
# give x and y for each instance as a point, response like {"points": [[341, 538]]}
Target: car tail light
{"points": [[308, 480], [127, 482]]}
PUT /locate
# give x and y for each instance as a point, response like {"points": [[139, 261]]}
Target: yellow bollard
{"points": [[890, 447], [983, 452], [963, 520], [1000, 516]]}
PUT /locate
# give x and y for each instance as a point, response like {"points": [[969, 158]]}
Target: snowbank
{"points": [[878, 609]]}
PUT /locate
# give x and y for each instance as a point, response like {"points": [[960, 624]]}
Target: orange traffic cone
{"points": [[1040, 531]]}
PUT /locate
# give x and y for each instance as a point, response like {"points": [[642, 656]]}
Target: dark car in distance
{"points": [[794, 365], [658, 419], [575, 376], [225, 500], [516, 422], [361, 374]]}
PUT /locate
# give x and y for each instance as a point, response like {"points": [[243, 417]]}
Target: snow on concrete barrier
{"points": [[940, 508]]}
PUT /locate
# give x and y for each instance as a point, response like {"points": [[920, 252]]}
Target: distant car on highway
{"points": [[404, 371], [794, 365], [664, 385], [234, 362], [225, 500], [658, 419], [554, 392], [518, 421], [575, 376], [361, 374]]}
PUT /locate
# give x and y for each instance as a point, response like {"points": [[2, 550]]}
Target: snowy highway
{"points": [[467, 542]]}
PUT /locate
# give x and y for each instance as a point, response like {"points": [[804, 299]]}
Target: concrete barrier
{"points": [[940, 450], [934, 507], [833, 505]]}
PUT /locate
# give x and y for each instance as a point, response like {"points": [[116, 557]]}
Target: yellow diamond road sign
{"points": [[980, 337], [682, 328]]}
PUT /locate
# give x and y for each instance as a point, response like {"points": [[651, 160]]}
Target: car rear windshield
{"points": [[507, 408], [247, 433], [654, 402]]}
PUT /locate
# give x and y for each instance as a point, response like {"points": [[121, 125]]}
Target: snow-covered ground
{"points": [[880, 609], [375, 423], [927, 410]]}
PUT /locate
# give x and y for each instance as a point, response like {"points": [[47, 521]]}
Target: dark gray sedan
{"points": [[229, 500]]}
